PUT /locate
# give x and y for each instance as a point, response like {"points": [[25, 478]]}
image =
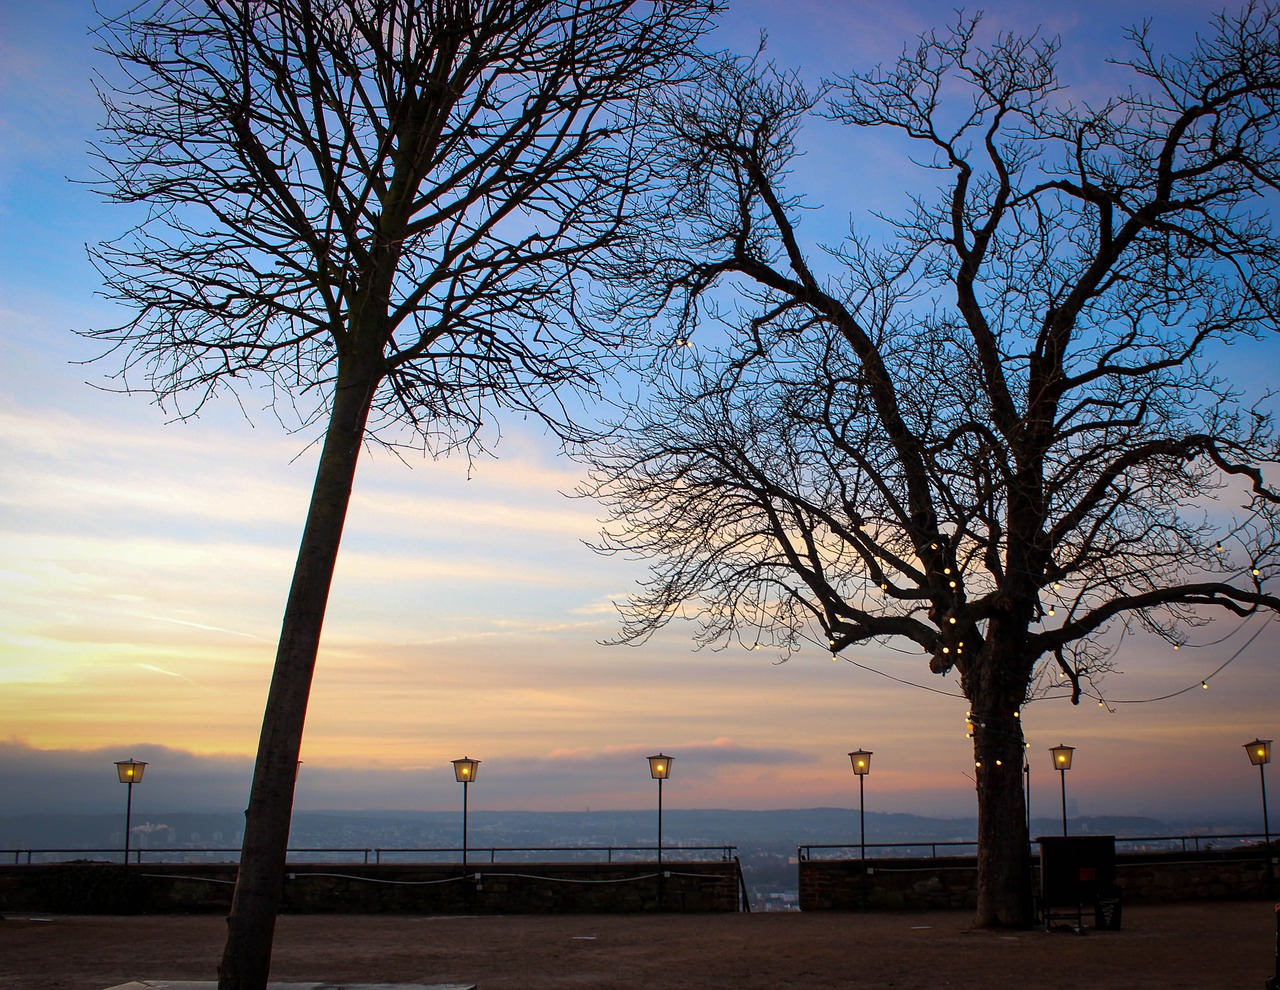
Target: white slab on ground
{"points": [[274, 985]]}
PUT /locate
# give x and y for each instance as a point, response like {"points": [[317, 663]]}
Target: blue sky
{"points": [[143, 563]]}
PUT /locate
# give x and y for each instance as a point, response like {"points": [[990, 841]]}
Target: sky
{"points": [[144, 562]]}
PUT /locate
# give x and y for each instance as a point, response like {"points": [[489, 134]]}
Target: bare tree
{"points": [[378, 210], [997, 434]]}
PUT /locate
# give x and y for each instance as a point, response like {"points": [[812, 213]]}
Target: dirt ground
{"points": [[1203, 946]]}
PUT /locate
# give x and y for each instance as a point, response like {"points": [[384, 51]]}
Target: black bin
{"points": [[1079, 872]]}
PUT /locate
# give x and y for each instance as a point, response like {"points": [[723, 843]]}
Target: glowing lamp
{"points": [[129, 772]]}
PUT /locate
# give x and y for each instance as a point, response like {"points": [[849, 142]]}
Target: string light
{"points": [[1063, 676]]}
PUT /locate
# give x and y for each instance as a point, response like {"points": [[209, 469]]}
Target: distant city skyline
{"points": [[144, 562]]}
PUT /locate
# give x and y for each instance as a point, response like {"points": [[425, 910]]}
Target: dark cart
{"points": [[1078, 874]]}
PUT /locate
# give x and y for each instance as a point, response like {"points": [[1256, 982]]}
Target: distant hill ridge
{"points": [[391, 827]]}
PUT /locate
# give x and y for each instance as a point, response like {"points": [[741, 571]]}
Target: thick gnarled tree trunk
{"points": [[246, 959], [1004, 868]]}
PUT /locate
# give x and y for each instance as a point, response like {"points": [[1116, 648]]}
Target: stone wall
{"points": [[526, 888], [919, 885], [890, 884]]}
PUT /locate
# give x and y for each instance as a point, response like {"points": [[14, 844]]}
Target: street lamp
{"points": [[660, 770], [1062, 761], [130, 772], [464, 771], [1260, 755], [861, 761]]}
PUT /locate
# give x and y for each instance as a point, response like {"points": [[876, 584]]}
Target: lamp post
{"points": [[660, 770], [1026, 776], [1260, 755], [1062, 761], [130, 772], [464, 771], [861, 761]]}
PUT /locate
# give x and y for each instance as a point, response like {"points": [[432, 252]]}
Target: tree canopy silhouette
{"points": [[379, 212], [994, 432]]}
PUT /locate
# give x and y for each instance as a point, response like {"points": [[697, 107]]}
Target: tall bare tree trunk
{"points": [[246, 959], [996, 689]]}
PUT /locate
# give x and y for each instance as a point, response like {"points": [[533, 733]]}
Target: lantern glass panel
{"points": [[861, 761], [1259, 752], [1062, 756], [660, 767]]}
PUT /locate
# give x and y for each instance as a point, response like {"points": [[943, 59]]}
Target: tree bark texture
{"points": [[246, 959], [1004, 867]]}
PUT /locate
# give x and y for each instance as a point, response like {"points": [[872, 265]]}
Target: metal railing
{"points": [[1202, 842], [380, 854]]}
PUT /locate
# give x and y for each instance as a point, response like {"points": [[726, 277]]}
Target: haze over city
{"points": [[144, 560]]}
